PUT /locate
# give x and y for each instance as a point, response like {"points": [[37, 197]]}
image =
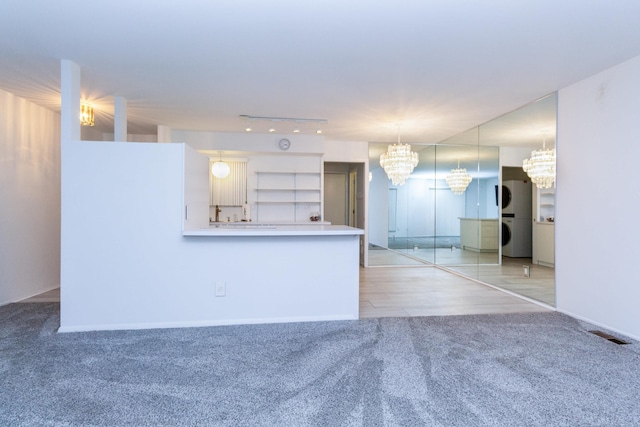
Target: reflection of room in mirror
{"points": [[434, 226]]}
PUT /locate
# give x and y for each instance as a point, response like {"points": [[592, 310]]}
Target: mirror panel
{"points": [[424, 222], [523, 269]]}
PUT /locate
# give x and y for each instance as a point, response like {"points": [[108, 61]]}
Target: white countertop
{"points": [[250, 229], [267, 223]]}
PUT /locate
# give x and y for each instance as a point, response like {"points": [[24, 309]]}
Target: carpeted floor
{"points": [[538, 369]]}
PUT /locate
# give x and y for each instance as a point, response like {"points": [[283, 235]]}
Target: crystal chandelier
{"points": [[398, 162], [541, 167], [459, 180]]}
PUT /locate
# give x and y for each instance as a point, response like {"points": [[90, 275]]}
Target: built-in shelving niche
{"points": [[288, 196]]}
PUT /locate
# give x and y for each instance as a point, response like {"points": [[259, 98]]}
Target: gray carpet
{"points": [[539, 369]]}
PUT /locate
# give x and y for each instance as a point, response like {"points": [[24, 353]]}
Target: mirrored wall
{"points": [[425, 222]]}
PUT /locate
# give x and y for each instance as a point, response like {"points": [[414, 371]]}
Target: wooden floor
{"points": [[540, 285], [430, 291]]}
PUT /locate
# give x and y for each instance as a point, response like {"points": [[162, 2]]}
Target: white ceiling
{"points": [[437, 67]]}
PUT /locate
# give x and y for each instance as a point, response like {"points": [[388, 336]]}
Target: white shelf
{"points": [[288, 195], [545, 204]]}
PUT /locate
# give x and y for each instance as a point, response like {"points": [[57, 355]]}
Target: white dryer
{"points": [[516, 198], [516, 237]]}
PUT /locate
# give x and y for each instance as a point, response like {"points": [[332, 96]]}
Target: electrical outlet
{"points": [[221, 289]]}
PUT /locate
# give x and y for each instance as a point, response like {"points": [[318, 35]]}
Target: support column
{"points": [[69, 101], [164, 133], [119, 119]]}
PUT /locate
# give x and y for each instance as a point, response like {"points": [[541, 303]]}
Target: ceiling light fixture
{"points": [[86, 115], [220, 169], [541, 167], [399, 161], [459, 180], [298, 121], [247, 129]]}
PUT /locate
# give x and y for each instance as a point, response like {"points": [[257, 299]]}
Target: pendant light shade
{"points": [[220, 169]]}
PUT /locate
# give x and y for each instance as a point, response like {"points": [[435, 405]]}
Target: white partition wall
{"points": [[126, 263], [122, 212], [597, 199]]}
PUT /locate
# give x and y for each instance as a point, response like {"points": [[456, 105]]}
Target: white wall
{"points": [[126, 264], [513, 156], [248, 142], [598, 201], [420, 202], [29, 199], [347, 151]]}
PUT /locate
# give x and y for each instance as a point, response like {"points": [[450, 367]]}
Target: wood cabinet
{"points": [[288, 196], [479, 235]]}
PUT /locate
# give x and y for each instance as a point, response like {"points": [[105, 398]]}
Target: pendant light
{"points": [[459, 180], [541, 167], [220, 169], [399, 161]]}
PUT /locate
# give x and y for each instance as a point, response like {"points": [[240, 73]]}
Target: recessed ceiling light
{"points": [[272, 130], [296, 131], [319, 131], [248, 129]]}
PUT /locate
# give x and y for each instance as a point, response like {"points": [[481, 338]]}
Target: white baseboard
{"points": [[202, 323]]}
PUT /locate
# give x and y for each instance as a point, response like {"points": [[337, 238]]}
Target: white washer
{"points": [[516, 198], [516, 237]]}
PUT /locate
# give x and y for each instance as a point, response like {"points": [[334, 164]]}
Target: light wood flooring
{"points": [[540, 285], [430, 291]]}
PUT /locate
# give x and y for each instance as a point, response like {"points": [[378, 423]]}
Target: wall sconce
{"points": [[86, 115]]}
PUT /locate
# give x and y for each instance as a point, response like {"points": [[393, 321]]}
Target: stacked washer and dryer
{"points": [[516, 219]]}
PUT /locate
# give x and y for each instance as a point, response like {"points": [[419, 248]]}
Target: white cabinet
{"points": [[288, 196], [544, 244]]}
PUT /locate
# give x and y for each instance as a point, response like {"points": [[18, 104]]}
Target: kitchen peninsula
{"points": [[138, 250]]}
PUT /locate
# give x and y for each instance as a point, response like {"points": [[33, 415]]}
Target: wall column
{"points": [[69, 100], [164, 133], [119, 119]]}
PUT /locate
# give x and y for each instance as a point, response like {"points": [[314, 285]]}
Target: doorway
{"points": [[344, 200]]}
